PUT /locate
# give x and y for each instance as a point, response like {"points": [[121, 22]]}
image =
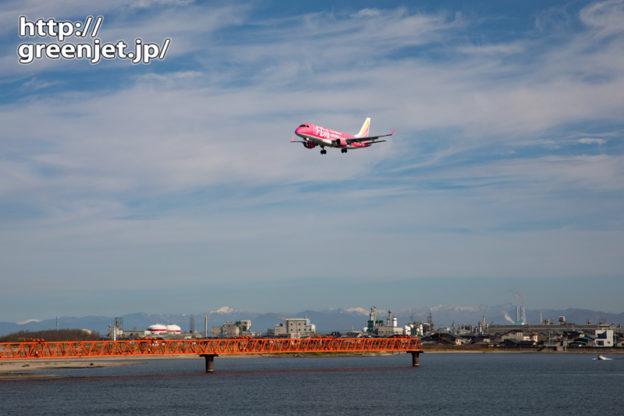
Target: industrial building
{"points": [[233, 329], [390, 328], [293, 328]]}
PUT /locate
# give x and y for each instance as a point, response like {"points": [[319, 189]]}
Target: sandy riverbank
{"points": [[20, 369]]}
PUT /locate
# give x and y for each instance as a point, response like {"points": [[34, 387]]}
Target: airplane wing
{"points": [[369, 139]]}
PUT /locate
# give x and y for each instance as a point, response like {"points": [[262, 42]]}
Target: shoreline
{"points": [[28, 369], [451, 349]]}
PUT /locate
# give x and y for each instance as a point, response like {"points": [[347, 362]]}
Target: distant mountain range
{"points": [[326, 321]]}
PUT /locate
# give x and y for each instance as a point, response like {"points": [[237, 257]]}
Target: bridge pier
{"points": [[209, 362], [415, 358]]}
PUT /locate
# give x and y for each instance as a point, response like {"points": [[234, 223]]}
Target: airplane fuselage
{"points": [[314, 135]]}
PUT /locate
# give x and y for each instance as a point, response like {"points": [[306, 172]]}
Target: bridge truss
{"points": [[150, 347]]}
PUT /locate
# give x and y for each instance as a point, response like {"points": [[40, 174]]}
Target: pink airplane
{"points": [[313, 136]]}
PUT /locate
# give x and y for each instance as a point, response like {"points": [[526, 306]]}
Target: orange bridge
{"points": [[207, 348]]}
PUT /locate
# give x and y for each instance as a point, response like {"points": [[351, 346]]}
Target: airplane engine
{"points": [[340, 142], [309, 145]]}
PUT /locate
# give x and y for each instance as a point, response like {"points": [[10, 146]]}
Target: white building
{"points": [[293, 328], [519, 336], [603, 338]]}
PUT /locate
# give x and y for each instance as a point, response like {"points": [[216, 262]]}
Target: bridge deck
{"points": [[154, 347]]}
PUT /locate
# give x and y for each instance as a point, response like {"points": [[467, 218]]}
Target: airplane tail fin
{"points": [[365, 128]]}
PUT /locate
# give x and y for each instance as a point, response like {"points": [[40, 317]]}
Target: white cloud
{"points": [[185, 173], [190, 129], [571, 173], [368, 13], [605, 17], [589, 140], [494, 49], [35, 84]]}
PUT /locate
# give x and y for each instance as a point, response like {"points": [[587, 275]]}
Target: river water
{"points": [[444, 384]]}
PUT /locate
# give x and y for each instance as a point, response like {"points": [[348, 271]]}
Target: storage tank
{"points": [[174, 329], [157, 329]]}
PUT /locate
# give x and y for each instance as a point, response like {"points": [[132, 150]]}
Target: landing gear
{"points": [[323, 151], [343, 150]]}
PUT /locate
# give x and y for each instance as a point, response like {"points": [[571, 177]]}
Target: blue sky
{"points": [[173, 186]]}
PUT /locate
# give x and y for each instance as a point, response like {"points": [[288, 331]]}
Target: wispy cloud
{"points": [[590, 140], [604, 17], [168, 130], [503, 147]]}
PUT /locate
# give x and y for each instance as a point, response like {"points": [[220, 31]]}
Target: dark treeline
{"points": [[52, 335]]}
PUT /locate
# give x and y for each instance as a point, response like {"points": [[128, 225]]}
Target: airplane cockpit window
{"points": [[304, 125]]}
